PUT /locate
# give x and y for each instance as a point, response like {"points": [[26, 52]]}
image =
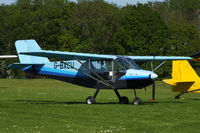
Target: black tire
{"points": [[124, 100], [177, 97], [137, 101], [90, 100]]}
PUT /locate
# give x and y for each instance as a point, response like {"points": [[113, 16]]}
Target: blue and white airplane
{"points": [[89, 70]]}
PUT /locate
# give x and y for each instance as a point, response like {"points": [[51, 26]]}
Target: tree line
{"points": [[171, 27]]}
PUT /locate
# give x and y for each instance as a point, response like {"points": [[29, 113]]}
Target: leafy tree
{"points": [[94, 23], [170, 27], [184, 39], [182, 11], [142, 32]]}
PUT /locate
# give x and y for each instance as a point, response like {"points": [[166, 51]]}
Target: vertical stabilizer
{"points": [[29, 46], [182, 71], [184, 78]]}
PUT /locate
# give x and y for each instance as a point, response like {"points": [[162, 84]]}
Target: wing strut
{"points": [[91, 99], [87, 74], [101, 79]]}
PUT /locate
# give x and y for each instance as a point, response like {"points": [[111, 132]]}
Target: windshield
{"points": [[125, 63]]}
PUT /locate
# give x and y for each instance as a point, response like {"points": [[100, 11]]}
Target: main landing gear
{"points": [[91, 99], [122, 99], [178, 96]]}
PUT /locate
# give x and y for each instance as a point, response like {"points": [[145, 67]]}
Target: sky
{"points": [[118, 2]]}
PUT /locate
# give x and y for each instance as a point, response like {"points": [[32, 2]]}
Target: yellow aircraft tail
{"points": [[184, 78]]}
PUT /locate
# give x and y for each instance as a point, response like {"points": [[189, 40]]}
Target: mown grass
{"points": [[50, 106]]}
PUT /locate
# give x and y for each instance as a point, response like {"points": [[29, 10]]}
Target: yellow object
{"points": [[184, 78]]}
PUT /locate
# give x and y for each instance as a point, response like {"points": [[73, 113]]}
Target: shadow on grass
{"points": [[194, 99], [56, 102], [47, 102], [113, 103], [162, 102], [4, 87]]}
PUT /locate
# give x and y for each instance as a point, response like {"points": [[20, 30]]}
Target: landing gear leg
{"points": [[137, 100], [122, 100], [91, 99], [178, 96]]}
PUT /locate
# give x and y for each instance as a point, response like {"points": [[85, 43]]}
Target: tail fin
{"points": [[184, 78], [29, 46], [182, 71]]}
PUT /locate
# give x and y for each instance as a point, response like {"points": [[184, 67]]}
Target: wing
{"points": [[70, 55], [158, 58], [87, 56]]}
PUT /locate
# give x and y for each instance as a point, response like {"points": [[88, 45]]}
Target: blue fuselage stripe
{"points": [[134, 77], [57, 72]]}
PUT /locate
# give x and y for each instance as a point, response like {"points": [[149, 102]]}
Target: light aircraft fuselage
{"points": [[131, 78], [89, 70]]}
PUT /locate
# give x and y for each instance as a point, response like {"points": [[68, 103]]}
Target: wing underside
{"points": [[70, 55], [87, 56]]}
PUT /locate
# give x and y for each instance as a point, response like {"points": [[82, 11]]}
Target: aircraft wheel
{"points": [[137, 101], [124, 100], [90, 100], [177, 97]]}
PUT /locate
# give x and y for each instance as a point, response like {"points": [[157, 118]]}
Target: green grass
{"points": [[50, 106]]}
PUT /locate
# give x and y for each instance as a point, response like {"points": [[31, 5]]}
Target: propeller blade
{"points": [[159, 66], [151, 66], [153, 91]]}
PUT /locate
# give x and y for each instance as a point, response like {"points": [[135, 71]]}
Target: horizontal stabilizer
{"points": [[174, 82], [182, 86], [21, 66], [179, 86], [169, 81], [8, 56]]}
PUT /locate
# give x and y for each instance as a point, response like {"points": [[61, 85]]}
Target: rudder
{"points": [[29, 46], [182, 71]]}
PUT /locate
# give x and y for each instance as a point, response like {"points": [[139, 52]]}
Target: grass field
{"points": [[50, 106]]}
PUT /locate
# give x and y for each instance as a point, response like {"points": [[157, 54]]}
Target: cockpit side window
{"points": [[119, 65]]}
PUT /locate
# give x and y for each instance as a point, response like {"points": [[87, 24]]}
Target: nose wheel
{"points": [[137, 101]]}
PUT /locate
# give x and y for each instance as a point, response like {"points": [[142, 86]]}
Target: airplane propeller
{"points": [[154, 77], [153, 90], [153, 85]]}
